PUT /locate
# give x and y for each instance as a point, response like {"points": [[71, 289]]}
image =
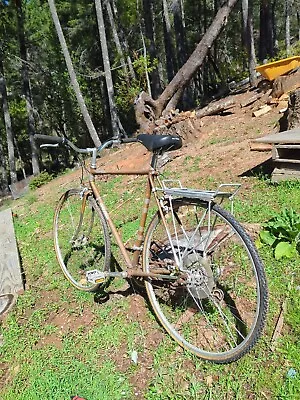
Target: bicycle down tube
{"points": [[137, 247]]}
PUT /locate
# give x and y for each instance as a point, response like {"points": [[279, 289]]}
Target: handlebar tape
{"points": [[49, 139]]}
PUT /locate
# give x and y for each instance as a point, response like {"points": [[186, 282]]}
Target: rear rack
{"points": [[225, 190]]}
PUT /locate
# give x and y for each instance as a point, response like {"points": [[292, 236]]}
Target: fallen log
{"points": [[215, 108], [252, 100]]}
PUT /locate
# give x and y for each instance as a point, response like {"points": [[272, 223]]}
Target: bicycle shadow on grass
{"points": [[131, 286]]}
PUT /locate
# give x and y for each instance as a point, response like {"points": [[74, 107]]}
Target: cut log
{"points": [[262, 111], [215, 108], [285, 84]]}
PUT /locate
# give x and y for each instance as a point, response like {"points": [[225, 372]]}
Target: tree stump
{"points": [[291, 117], [293, 111]]}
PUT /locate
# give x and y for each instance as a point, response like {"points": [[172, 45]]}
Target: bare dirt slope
{"points": [[219, 145]]}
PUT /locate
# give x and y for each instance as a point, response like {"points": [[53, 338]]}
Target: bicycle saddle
{"points": [[160, 142]]}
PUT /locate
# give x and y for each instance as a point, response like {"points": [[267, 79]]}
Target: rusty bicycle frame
{"points": [[132, 263], [152, 174]]}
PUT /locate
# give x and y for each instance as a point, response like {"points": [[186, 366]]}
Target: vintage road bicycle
{"points": [[203, 275]]}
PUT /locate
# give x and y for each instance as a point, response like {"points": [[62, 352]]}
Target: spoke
{"points": [[224, 317], [175, 232], [72, 221], [189, 240], [200, 306]]}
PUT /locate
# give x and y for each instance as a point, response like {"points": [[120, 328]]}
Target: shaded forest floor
{"points": [[59, 342]]}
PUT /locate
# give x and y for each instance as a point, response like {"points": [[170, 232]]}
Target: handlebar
{"points": [[50, 140], [63, 140]]}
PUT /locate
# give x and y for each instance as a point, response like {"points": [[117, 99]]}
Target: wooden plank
{"points": [[286, 171], [291, 136], [255, 146], [10, 270]]}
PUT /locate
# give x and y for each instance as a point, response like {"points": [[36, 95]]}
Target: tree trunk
{"points": [[116, 38], [266, 38], [8, 126], [3, 171], [298, 23], [247, 10], [123, 40], [26, 89], [287, 27], [169, 47], [179, 32], [117, 129], [150, 45], [184, 75], [72, 74]]}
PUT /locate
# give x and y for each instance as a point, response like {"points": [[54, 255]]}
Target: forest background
{"points": [[121, 50]]}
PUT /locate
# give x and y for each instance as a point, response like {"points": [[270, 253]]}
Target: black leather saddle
{"points": [[160, 142]]}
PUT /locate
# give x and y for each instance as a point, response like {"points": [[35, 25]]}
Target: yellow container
{"points": [[274, 69]]}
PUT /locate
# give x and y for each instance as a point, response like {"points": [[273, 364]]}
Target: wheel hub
{"points": [[200, 280]]}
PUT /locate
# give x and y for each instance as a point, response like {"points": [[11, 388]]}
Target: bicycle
{"points": [[203, 276]]}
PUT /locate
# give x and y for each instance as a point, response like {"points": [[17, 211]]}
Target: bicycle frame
{"points": [[151, 173]]}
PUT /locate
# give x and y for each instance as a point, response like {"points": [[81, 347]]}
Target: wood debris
{"points": [[261, 111], [173, 117]]}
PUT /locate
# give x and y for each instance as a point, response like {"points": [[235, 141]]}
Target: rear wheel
{"points": [[216, 308], [81, 238]]}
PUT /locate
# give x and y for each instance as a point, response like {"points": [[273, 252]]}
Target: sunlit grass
{"points": [[88, 358]]}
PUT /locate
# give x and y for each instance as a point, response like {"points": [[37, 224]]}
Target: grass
{"points": [[59, 342]]}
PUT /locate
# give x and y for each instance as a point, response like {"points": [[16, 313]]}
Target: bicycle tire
{"points": [[218, 310], [81, 244]]}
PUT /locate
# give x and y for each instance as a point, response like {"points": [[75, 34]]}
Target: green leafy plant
{"points": [[41, 179], [282, 233], [128, 88]]}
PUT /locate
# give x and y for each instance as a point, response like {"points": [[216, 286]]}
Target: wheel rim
{"points": [[214, 308], [79, 243]]}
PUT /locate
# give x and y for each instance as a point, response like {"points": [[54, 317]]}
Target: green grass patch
{"points": [[58, 342]]}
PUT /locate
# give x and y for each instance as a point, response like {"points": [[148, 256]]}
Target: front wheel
{"points": [[216, 308], [81, 238]]}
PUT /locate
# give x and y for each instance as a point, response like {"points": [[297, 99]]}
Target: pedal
{"points": [[95, 276]]}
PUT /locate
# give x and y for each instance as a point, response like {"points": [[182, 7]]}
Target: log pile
{"points": [[264, 98]]}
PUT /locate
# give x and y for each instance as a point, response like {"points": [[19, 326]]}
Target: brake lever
{"points": [[48, 145]]}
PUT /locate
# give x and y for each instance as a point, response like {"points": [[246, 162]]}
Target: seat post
{"points": [[154, 159]]}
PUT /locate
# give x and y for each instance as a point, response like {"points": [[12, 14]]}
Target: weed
{"points": [[40, 180], [282, 233]]}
